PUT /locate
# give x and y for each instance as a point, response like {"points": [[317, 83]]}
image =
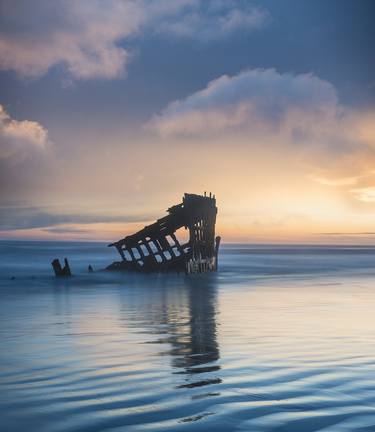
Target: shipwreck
{"points": [[156, 248]]}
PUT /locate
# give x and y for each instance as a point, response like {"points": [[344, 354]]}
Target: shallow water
{"points": [[280, 339]]}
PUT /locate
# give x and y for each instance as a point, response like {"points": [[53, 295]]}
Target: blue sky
{"points": [[105, 102]]}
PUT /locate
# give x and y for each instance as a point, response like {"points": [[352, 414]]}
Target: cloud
{"points": [[335, 182], [19, 138], [367, 233], [16, 218], [263, 116], [268, 108], [254, 100], [211, 20], [87, 36], [81, 35], [66, 230], [365, 194]]}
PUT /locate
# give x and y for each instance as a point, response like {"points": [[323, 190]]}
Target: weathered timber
{"points": [[157, 248], [61, 271]]}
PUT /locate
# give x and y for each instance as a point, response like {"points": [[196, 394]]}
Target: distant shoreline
{"points": [[225, 244]]}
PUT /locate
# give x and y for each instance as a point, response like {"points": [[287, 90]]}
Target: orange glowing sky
{"points": [[120, 111]]}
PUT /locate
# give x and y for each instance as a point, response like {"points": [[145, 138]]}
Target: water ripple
{"points": [[219, 352]]}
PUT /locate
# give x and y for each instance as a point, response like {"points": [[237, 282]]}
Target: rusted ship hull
{"points": [[156, 247]]}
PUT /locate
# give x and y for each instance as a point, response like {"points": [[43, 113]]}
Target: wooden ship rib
{"points": [[156, 247]]}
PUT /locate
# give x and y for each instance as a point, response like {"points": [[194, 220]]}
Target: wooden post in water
{"points": [[61, 271]]}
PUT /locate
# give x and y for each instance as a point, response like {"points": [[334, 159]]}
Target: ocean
{"points": [[281, 338]]}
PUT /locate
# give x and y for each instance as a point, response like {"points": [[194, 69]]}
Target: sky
{"points": [[111, 110]]}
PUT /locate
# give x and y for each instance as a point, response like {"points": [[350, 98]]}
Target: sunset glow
{"points": [[96, 145]]}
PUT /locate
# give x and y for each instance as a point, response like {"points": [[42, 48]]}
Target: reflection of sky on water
{"points": [[218, 351]]}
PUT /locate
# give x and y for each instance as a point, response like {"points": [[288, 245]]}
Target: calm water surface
{"points": [[280, 339]]}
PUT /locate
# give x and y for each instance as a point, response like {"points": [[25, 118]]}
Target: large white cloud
{"points": [[82, 35], [266, 115], [19, 138], [85, 36], [248, 101], [268, 107]]}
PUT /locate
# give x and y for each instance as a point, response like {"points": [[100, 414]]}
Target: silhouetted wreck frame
{"points": [[157, 248]]}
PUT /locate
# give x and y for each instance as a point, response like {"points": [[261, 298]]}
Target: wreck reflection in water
{"points": [[181, 313], [200, 352], [279, 338]]}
